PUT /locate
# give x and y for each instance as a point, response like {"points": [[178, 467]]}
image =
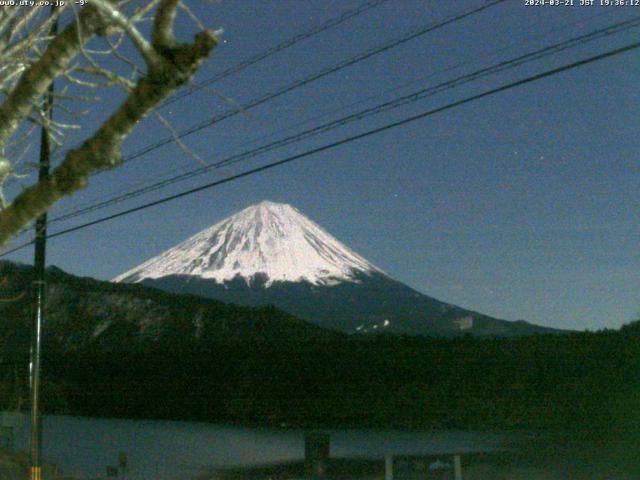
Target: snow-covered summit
{"points": [[269, 238]]}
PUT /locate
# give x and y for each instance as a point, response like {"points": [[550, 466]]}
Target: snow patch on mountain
{"points": [[268, 239]]}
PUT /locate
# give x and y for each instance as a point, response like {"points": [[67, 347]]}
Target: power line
{"points": [[332, 22], [398, 102], [350, 139], [305, 81], [106, 200], [277, 48]]}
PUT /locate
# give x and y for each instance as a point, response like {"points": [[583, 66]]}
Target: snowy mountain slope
{"points": [[267, 239], [271, 254]]}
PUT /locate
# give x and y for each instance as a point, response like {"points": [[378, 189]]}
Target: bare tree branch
{"points": [[175, 65], [178, 141], [162, 34], [37, 78], [114, 15], [111, 77]]}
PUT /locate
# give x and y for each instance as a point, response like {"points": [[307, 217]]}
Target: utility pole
{"points": [[39, 287]]}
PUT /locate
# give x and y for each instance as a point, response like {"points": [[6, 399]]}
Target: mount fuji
{"points": [[270, 253], [269, 240]]}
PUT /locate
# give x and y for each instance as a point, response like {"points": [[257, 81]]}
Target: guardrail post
{"points": [[457, 467], [316, 454], [388, 467]]}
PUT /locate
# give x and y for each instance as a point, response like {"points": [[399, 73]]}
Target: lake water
{"points": [[164, 450]]}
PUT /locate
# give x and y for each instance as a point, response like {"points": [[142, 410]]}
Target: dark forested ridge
{"points": [[583, 381], [373, 303], [136, 352]]}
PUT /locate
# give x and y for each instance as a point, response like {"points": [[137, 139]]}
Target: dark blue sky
{"points": [[520, 205]]}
